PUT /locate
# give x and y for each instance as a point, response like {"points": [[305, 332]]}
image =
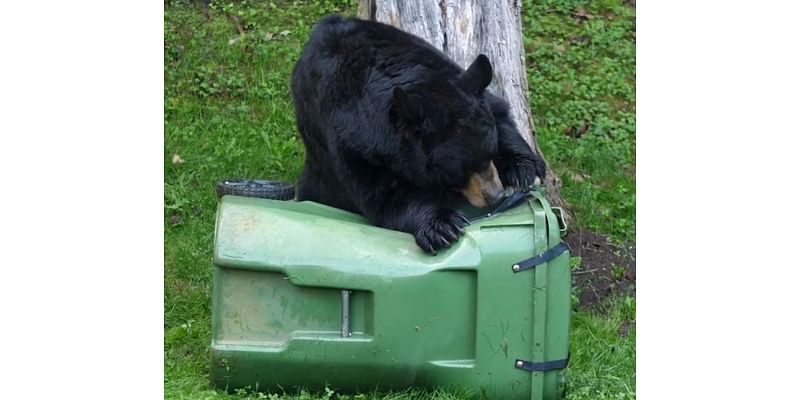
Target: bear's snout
{"points": [[484, 188]]}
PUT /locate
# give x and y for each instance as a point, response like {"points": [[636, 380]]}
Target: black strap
{"points": [[541, 258], [510, 201], [542, 366]]}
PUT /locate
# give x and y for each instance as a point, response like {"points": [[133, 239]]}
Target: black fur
{"points": [[393, 129]]}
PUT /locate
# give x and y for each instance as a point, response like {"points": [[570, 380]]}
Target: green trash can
{"points": [[309, 296]]}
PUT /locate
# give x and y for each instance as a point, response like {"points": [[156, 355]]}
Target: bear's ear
{"points": [[406, 106], [478, 76]]}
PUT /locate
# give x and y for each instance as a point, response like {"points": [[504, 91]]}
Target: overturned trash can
{"points": [[309, 296]]}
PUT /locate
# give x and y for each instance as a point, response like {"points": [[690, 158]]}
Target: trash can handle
{"points": [[346, 314]]}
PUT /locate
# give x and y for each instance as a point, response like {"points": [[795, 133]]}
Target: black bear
{"points": [[393, 130]]}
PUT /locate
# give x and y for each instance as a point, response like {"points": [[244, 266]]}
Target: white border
{"points": [[81, 108]]}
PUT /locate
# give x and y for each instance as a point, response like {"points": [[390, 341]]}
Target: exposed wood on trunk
{"points": [[462, 29]]}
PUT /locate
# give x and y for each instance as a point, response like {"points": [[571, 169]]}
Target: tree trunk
{"points": [[462, 29]]}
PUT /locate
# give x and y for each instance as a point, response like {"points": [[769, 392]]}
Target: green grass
{"points": [[228, 114], [603, 352], [582, 74]]}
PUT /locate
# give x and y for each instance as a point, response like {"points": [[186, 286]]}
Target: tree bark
{"points": [[462, 29]]}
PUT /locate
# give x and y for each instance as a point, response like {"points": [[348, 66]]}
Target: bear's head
{"points": [[449, 123]]}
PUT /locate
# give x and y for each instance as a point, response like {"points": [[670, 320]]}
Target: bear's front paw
{"points": [[439, 229], [521, 172]]}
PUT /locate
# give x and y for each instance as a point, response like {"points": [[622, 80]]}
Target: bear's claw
{"points": [[521, 172], [440, 229]]}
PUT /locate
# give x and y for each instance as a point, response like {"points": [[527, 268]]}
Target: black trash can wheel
{"points": [[256, 188]]}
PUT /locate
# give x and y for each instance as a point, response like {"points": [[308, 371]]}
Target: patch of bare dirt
{"points": [[605, 269]]}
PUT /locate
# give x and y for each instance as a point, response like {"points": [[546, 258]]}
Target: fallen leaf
{"points": [[176, 159], [283, 33], [572, 131], [581, 14], [578, 177], [269, 36]]}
